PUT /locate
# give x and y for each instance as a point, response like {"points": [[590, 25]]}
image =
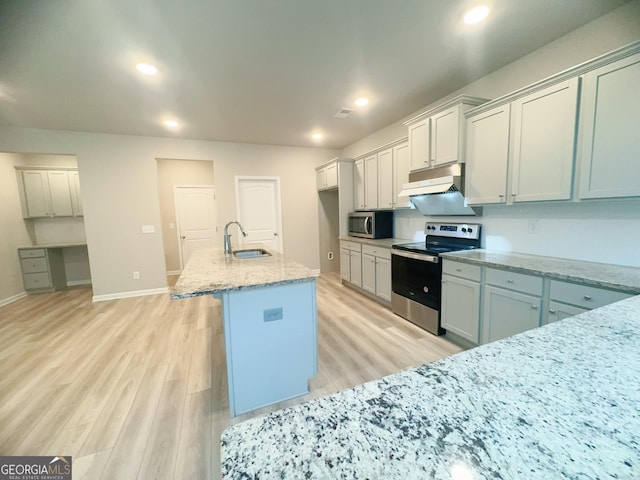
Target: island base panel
{"points": [[271, 341]]}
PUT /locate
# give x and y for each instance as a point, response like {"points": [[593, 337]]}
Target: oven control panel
{"points": [[454, 230]]}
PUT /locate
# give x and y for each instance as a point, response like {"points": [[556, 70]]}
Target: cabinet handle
{"points": [[552, 311], [513, 194], [509, 281], [458, 269], [535, 307], [587, 297], [500, 195]]}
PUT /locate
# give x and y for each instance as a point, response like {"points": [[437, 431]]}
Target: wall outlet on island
{"points": [[136, 275], [330, 255], [533, 225]]}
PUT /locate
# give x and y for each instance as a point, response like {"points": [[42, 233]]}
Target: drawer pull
{"points": [[509, 281], [458, 269], [587, 297], [534, 307], [552, 312]]}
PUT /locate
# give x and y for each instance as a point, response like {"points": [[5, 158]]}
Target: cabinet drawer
{"points": [[31, 252], [380, 252], [34, 265], [514, 281], [460, 269], [353, 246], [582, 295], [34, 281]]}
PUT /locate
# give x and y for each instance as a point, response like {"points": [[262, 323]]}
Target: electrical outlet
{"points": [[136, 275], [330, 255], [533, 225]]}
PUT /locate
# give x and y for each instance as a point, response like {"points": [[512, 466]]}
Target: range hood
{"points": [[439, 191]]}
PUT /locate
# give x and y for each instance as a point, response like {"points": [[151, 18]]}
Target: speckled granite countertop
{"points": [[380, 242], [209, 272], [614, 277], [558, 402]]}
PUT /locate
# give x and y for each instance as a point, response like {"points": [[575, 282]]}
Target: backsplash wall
{"points": [[597, 231]]}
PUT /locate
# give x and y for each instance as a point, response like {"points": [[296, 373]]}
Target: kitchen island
{"points": [[560, 401], [269, 318]]}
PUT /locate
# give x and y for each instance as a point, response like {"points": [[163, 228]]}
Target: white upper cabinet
{"points": [[487, 156], [76, 198], [401, 167], [358, 185], [544, 131], [371, 182], [327, 176], [436, 137], [610, 146], [385, 179], [46, 193], [445, 137], [419, 144]]}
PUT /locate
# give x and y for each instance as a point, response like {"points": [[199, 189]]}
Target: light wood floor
{"points": [[136, 388]]}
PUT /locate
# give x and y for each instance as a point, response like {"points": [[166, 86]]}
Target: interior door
{"points": [[259, 211], [195, 218]]}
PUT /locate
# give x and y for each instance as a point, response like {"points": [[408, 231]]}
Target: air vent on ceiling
{"points": [[344, 112]]}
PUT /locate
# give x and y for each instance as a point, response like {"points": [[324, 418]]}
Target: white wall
{"points": [[120, 194], [601, 231]]}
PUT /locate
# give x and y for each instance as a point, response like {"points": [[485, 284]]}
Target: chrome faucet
{"points": [[227, 237]]}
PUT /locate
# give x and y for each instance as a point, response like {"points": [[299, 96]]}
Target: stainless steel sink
{"points": [[251, 253]]}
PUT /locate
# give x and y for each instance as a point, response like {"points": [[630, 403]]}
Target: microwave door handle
{"points": [[367, 225]]}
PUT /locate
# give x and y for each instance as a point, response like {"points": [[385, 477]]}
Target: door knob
{"points": [[183, 237], [275, 234]]}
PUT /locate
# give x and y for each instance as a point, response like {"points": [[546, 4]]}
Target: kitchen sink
{"points": [[251, 253]]}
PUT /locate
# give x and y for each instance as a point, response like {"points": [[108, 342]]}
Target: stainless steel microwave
{"points": [[374, 224]]}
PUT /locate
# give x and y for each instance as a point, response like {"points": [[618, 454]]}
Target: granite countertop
{"points": [[558, 402], [209, 272], [380, 242], [55, 245], [614, 277]]}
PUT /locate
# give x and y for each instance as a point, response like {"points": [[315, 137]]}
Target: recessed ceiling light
{"points": [[361, 102], [317, 136], [476, 15], [147, 69], [171, 124]]}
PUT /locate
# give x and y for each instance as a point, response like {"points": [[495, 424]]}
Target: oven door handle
{"points": [[415, 256]]}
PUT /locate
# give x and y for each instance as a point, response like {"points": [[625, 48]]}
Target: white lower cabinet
{"points": [[568, 299], [356, 268], [512, 303], [383, 278], [351, 262], [345, 264], [460, 308], [369, 273], [376, 271]]}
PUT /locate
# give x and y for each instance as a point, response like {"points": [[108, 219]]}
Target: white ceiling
{"points": [[257, 71]]}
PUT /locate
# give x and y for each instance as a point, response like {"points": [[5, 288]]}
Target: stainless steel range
{"points": [[416, 271]]}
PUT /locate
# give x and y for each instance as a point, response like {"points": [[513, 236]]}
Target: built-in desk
{"points": [[43, 267]]}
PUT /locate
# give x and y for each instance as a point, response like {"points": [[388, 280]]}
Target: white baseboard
{"points": [[174, 272], [74, 283], [135, 293], [12, 298]]}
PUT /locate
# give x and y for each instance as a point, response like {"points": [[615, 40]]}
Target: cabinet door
{"points": [[560, 311], [331, 176], [369, 273], [345, 264], [76, 198], [60, 192], [358, 185], [506, 313], [36, 193], [461, 307], [419, 144], [610, 141], [445, 134], [321, 179], [401, 167], [383, 278], [355, 267], [544, 131], [487, 156], [371, 182], [385, 179]]}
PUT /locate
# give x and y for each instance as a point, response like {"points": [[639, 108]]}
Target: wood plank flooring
{"points": [[137, 389]]}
